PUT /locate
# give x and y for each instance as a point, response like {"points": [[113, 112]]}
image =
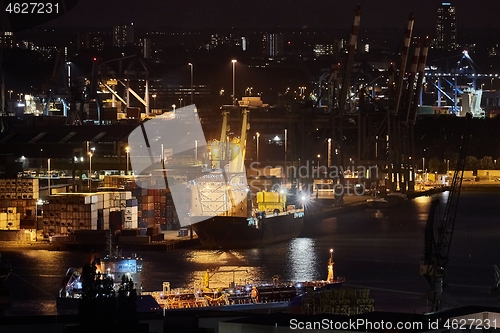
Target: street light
{"points": [[191, 72], [127, 150], [90, 171], [234, 61], [329, 162], [258, 136], [48, 172], [286, 167]]}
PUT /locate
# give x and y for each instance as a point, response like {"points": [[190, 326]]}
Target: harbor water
{"points": [[375, 249]]}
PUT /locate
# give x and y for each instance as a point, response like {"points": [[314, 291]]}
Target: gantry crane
{"points": [[437, 251]]}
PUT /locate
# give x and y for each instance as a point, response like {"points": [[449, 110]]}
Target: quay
{"points": [[320, 211]]}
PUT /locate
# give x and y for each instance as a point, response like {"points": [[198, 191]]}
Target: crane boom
{"points": [[437, 251]]}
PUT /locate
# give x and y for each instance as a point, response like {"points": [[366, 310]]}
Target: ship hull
{"points": [[233, 232]]}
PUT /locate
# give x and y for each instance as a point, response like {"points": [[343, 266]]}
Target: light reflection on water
{"points": [[379, 253], [301, 258]]}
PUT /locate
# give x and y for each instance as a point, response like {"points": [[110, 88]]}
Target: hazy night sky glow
{"points": [[274, 13]]}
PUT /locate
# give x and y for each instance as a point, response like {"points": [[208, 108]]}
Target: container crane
{"points": [[437, 251]]}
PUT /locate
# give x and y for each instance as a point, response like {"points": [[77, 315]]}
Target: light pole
{"points": [[286, 168], [90, 171], [329, 163], [258, 136], [196, 151], [127, 151], [234, 61], [10, 94], [162, 156], [48, 172], [191, 72]]}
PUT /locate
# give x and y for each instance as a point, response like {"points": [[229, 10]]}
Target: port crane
{"points": [[437, 249]]}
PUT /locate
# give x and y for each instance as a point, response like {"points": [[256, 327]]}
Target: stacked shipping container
{"points": [[68, 212], [155, 206], [17, 201]]}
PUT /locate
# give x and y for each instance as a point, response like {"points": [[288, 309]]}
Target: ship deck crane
{"points": [[437, 251]]}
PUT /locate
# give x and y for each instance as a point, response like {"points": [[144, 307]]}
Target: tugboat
{"points": [[113, 266]]}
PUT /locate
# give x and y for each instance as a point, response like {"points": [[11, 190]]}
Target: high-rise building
{"points": [[123, 35], [83, 41], [446, 27], [145, 44], [98, 43], [273, 44], [7, 39]]}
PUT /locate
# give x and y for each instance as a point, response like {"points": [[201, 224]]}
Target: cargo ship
{"points": [[273, 294], [224, 212], [229, 217]]}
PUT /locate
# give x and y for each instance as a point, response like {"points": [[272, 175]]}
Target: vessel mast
{"points": [[331, 268]]}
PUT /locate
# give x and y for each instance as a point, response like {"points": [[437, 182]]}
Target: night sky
{"points": [[274, 13]]}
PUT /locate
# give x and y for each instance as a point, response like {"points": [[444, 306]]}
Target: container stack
{"points": [[10, 220], [131, 214], [17, 202], [19, 188], [155, 206], [68, 212], [118, 201], [117, 181]]}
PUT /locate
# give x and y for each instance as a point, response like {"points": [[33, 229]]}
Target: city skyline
{"points": [[266, 14]]}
